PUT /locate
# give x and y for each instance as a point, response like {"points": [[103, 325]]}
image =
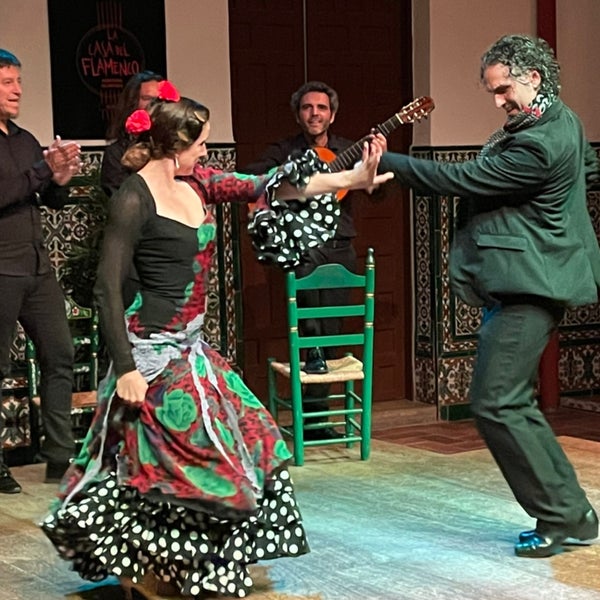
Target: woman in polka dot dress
{"points": [[182, 477]]}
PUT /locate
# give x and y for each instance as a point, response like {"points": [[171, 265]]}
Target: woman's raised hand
{"points": [[364, 175]]}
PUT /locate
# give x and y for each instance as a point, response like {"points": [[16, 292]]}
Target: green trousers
{"points": [[512, 339]]}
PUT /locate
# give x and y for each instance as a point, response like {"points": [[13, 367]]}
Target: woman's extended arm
{"points": [[363, 176]]}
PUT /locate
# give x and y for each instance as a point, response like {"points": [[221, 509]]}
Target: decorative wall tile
{"points": [[454, 379], [425, 379], [72, 224], [14, 407], [446, 328]]}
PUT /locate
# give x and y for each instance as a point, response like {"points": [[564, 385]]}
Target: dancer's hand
{"points": [[131, 388], [364, 175]]}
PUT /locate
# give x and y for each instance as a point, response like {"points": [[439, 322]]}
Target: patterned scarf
{"points": [[526, 118], [529, 116]]}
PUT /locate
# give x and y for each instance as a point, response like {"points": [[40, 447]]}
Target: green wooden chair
{"points": [[348, 408]]}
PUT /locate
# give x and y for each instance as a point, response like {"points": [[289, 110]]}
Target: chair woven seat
{"points": [[348, 368], [84, 400]]}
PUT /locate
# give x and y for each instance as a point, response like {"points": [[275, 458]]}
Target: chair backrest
{"points": [[331, 276]]}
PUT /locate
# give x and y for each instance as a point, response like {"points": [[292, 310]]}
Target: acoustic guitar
{"points": [[415, 111]]}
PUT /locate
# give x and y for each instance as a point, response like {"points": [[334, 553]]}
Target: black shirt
{"points": [[25, 184]]}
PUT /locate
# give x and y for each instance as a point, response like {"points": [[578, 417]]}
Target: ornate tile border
{"points": [[446, 328]]}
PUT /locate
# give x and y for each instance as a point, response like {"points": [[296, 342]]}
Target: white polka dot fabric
{"points": [[284, 232], [114, 530]]}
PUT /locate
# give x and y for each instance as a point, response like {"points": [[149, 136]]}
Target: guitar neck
{"points": [[351, 155]]}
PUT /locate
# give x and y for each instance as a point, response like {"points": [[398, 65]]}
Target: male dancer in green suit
{"points": [[525, 250]]}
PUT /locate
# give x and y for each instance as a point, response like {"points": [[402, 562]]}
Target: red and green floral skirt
{"points": [[192, 486]]}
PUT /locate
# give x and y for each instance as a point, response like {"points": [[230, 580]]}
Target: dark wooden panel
{"points": [[363, 49]]}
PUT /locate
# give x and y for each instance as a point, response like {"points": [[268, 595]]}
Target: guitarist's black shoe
{"points": [[315, 362]]}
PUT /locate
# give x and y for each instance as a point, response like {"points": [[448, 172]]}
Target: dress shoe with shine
{"points": [[585, 530], [326, 433], [315, 362], [538, 546], [8, 484]]}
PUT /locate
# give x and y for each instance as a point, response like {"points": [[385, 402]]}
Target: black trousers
{"points": [[511, 342], [38, 303], [334, 251]]}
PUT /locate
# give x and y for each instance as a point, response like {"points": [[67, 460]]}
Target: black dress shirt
{"points": [[25, 184]]}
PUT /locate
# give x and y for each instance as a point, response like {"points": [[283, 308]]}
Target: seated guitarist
{"points": [[314, 106]]}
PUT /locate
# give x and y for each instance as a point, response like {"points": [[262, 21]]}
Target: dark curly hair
{"points": [[128, 102], [175, 127], [314, 86], [521, 54]]}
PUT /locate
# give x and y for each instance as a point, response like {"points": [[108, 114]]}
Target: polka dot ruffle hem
{"points": [[114, 530]]}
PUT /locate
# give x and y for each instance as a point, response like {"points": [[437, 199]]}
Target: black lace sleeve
{"points": [[129, 208], [112, 172]]}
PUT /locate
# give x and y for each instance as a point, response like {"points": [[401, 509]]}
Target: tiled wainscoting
{"points": [[445, 328]]}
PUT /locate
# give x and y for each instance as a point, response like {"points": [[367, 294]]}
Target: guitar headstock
{"points": [[415, 111]]}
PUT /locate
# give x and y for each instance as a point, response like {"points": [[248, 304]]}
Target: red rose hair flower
{"points": [[167, 91], [138, 121]]}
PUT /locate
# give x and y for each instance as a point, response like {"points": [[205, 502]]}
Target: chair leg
{"points": [[366, 422], [297, 422], [298, 429], [272, 389], [349, 405]]}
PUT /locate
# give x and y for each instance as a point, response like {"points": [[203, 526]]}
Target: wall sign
{"points": [[95, 47]]}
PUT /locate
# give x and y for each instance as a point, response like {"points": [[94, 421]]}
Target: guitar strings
{"points": [[408, 114]]}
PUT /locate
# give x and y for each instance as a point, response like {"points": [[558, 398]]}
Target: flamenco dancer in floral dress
{"points": [[182, 479]]}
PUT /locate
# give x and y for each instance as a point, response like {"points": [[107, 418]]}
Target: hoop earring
{"points": [[176, 160]]}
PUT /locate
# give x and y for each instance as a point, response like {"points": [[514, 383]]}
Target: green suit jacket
{"points": [[528, 230]]}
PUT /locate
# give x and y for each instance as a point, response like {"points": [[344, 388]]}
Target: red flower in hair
{"points": [[167, 91], [138, 121]]}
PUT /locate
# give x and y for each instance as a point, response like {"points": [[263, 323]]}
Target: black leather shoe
{"points": [[537, 546], [326, 433], [55, 471], [8, 484], [315, 362], [585, 530]]}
